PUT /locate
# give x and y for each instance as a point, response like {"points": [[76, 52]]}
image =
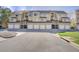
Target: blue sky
{"points": [[69, 9], [65, 8]]}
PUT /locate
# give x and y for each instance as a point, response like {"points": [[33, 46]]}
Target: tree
{"points": [[5, 13], [73, 24]]}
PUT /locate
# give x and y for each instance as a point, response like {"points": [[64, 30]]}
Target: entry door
{"points": [[54, 26], [23, 26]]}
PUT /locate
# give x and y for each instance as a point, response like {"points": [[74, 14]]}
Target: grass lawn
{"points": [[74, 35]]}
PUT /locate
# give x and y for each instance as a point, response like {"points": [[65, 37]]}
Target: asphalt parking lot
{"points": [[36, 42]]}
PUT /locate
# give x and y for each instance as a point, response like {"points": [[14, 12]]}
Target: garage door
{"points": [[61, 26], [30, 26], [17, 26], [36, 26], [78, 27], [42, 27], [10, 26], [67, 27], [48, 26]]}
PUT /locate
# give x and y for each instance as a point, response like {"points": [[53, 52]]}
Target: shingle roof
{"points": [[48, 11], [60, 12], [77, 10]]}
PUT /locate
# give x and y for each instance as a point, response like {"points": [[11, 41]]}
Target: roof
{"points": [[60, 12], [20, 12], [41, 11], [48, 11], [77, 10]]}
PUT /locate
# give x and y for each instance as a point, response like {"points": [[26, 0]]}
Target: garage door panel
{"points": [[10, 26], [67, 27], [36, 26], [39, 26], [61, 26], [42, 26], [17, 26], [78, 27], [48, 26], [30, 26]]}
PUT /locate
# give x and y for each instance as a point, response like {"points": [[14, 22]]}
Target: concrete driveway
{"points": [[36, 42]]}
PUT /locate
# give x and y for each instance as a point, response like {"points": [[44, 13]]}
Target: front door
{"points": [[23, 27], [54, 26]]}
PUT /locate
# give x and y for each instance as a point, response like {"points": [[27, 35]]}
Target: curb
{"points": [[65, 39], [71, 43]]}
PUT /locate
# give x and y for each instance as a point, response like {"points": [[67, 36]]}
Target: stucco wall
{"points": [[37, 17]]}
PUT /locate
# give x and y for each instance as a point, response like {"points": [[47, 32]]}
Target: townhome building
{"points": [[39, 19], [77, 18]]}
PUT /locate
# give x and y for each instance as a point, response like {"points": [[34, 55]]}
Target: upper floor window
{"points": [[52, 14], [16, 15], [35, 14], [30, 14]]}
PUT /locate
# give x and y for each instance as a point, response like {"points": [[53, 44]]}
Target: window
{"points": [[0, 27], [35, 14], [54, 26], [17, 15], [30, 14], [23, 27], [52, 14]]}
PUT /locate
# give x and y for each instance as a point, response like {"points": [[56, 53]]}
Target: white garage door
{"points": [[30, 26], [42, 26], [36, 26], [10, 26], [39, 26], [78, 27], [61, 26], [48, 26], [67, 26], [17, 26]]}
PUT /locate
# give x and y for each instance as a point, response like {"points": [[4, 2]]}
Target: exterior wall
{"points": [[77, 18], [12, 20], [39, 16], [60, 15]]}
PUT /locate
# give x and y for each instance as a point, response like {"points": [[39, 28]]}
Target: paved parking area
{"points": [[36, 42]]}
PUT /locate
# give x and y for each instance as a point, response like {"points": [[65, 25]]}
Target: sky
{"points": [[69, 9], [65, 8]]}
